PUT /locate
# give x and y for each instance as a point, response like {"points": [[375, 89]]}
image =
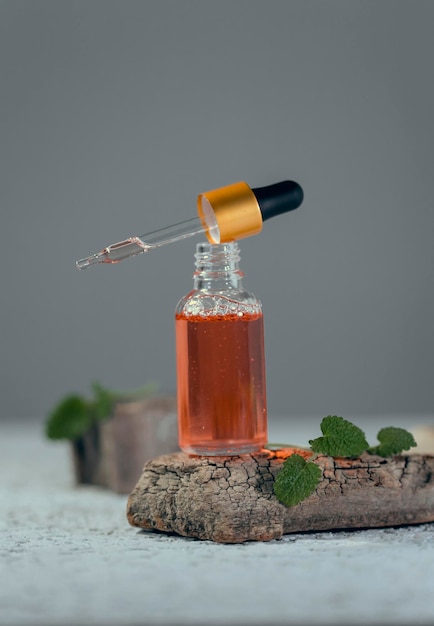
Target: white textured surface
{"points": [[69, 557]]}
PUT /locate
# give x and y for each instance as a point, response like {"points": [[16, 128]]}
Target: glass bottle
{"points": [[220, 359]]}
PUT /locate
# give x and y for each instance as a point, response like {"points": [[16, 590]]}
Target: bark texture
{"points": [[231, 499]]}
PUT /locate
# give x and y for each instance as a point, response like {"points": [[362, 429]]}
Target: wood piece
{"points": [[112, 453], [231, 499]]}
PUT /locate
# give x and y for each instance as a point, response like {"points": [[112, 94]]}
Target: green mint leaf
{"points": [[341, 438], [393, 441], [296, 480], [103, 403], [70, 419], [75, 415]]}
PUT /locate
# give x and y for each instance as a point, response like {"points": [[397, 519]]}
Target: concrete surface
{"points": [[69, 557]]}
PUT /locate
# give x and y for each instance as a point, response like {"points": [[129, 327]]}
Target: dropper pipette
{"points": [[224, 214]]}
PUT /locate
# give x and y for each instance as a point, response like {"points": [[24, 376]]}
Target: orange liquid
{"points": [[221, 384]]}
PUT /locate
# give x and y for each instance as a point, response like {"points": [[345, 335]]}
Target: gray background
{"points": [[115, 115]]}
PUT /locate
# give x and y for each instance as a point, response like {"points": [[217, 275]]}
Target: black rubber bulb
{"points": [[278, 198]]}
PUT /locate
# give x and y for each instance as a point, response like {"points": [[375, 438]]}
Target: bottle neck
{"points": [[217, 267]]}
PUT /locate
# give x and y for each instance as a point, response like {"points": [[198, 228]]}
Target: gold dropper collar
{"points": [[229, 213]]}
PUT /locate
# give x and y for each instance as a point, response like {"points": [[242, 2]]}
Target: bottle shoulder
{"points": [[207, 303]]}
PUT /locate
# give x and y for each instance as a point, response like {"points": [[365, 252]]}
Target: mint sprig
{"points": [[299, 478], [341, 438], [393, 441], [73, 416], [70, 419]]}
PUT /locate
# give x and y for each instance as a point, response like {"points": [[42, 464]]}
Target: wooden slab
{"points": [[231, 499]]}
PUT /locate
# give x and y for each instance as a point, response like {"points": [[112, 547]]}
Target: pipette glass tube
{"points": [[224, 214], [132, 246]]}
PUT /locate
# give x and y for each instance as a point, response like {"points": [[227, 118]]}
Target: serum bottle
{"points": [[222, 408], [220, 359]]}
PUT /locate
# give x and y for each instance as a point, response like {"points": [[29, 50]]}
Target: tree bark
{"points": [[231, 499]]}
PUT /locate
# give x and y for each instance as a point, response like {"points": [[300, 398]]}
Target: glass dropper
{"points": [[139, 244], [224, 214]]}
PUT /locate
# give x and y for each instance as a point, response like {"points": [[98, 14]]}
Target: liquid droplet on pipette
{"points": [[115, 252]]}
